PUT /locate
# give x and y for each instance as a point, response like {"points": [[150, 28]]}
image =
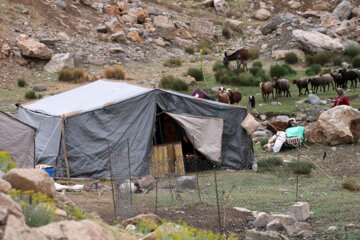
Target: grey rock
{"points": [[300, 210], [343, 10], [186, 182], [263, 117], [260, 134], [282, 118], [345, 65], [274, 225], [62, 4], [261, 219], [101, 28], [321, 30], [276, 103], [49, 41], [275, 21], [39, 88], [153, 11], [305, 234], [119, 37], [58, 62], [79, 58], [332, 228], [209, 58], [260, 235], [313, 99]]}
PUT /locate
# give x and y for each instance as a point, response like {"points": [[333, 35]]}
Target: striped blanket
{"points": [[200, 94]]}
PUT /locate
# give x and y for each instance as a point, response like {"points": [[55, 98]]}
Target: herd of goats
{"points": [[282, 86]]}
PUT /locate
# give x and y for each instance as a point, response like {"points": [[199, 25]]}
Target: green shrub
{"points": [[6, 163], [206, 46], [254, 53], [352, 51], [322, 57], [172, 62], [263, 76], [277, 71], [257, 64], [218, 65], [222, 76], [288, 69], [226, 32], [74, 213], [30, 95], [338, 60], [309, 60], [254, 70], [301, 167], [326, 70], [356, 62], [146, 226], [21, 82], [196, 73], [291, 58], [190, 50], [243, 79], [166, 81], [313, 70], [179, 85], [270, 162], [264, 141]]}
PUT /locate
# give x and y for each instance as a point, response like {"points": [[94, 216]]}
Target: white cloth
{"points": [[281, 138]]}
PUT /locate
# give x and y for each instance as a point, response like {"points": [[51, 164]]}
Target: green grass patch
{"points": [[351, 51], [356, 62], [196, 73], [291, 58], [301, 167], [172, 62], [226, 32], [21, 82], [313, 70]]}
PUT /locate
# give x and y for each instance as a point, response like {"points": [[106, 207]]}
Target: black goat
{"points": [[338, 79], [241, 56], [349, 76]]}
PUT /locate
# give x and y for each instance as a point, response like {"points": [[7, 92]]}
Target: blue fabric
{"points": [[295, 132]]}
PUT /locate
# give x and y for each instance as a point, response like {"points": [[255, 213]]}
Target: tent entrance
{"points": [[200, 138]]}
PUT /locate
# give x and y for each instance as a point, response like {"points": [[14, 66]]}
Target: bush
{"points": [[78, 75], [356, 62], [257, 64], [196, 73], [291, 58], [205, 45], [277, 71], [190, 50], [352, 51], [226, 32], [65, 75], [146, 226], [313, 70], [21, 82], [270, 162], [254, 53], [263, 76], [72, 75], [309, 60], [288, 69], [254, 70], [326, 70], [222, 76], [264, 141], [74, 213], [349, 185], [30, 95], [243, 79], [172, 62], [166, 81], [179, 85], [301, 167], [322, 57], [218, 65], [6, 163], [114, 72], [338, 60]]}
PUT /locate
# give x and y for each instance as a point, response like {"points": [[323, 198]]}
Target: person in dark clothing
{"points": [[341, 99]]}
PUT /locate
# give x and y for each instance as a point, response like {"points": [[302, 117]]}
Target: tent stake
{"points": [[64, 148]]}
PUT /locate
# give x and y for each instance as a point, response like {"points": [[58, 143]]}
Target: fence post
{"points": [[156, 194], [196, 169], [112, 179], [217, 200], [128, 146], [297, 178]]}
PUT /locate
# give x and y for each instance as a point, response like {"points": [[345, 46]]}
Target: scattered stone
{"points": [[262, 14], [49, 41], [182, 42], [343, 10], [39, 87], [234, 25], [119, 37], [261, 219], [31, 179], [129, 18], [130, 228], [322, 6], [183, 33], [117, 50], [297, 227], [294, 4], [329, 20], [58, 62], [284, 219], [190, 80], [5, 186], [353, 226], [141, 15], [12, 207], [134, 36], [62, 4], [343, 28], [163, 22], [332, 228], [334, 149], [338, 125], [263, 117], [135, 220], [274, 22], [305, 234], [300, 210], [101, 28], [159, 41], [113, 11], [313, 99], [222, 7], [242, 210], [280, 54], [268, 235], [273, 103], [34, 49], [282, 118], [61, 214], [113, 26], [274, 225], [314, 41], [147, 183], [186, 182], [4, 212]]}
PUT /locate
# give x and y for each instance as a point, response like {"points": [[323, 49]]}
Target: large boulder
{"points": [[31, 179], [313, 99], [12, 207], [311, 41], [329, 20], [297, 228], [58, 62], [163, 22], [280, 54], [222, 7], [275, 21], [17, 230], [234, 25], [73, 230], [337, 125], [34, 49], [135, 220], [262, 14], [5, 187], [300, 210], [343, 10]]}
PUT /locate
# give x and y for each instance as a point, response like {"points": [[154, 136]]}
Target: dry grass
{"points": [[76, 75], [114, 72], [172, 62], [349, 185]]}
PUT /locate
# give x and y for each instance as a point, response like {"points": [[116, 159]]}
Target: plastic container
{"points": [[50, 171]]}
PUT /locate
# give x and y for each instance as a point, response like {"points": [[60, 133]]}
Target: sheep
{"points": [[282, 85], [222, 97], [349, 76], [327, 80], [266, 89], [317, 82], [338, 80], [274, 127], [241, 56], [234, 97], [302, 83]]}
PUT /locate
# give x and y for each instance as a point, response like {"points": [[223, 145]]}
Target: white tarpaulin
{"points": [[204, 133]]}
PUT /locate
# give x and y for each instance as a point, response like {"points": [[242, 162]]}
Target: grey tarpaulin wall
{"points": [[87, 133], [18, 139]]}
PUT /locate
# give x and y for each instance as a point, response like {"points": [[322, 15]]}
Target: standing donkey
{"points": [[241, 56]]}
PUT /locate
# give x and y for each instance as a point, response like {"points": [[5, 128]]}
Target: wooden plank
{"points": [[159, 162], [171, 155], [64, 148], [179, 159]]}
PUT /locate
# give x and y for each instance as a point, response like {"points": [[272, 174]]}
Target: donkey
{"points": [[241, 56]]}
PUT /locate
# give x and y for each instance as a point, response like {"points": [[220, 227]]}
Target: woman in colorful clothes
{"points": [[341, 99]]}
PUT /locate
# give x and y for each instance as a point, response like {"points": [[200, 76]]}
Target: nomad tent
{"points": [[79, 130], [18, 139]]}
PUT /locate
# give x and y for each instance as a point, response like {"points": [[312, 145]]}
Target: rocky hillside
{"points": [[102, 32]]}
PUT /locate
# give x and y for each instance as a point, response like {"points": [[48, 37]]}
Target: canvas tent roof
{"points": [[126, 112], [86, 98], [18, 139]]}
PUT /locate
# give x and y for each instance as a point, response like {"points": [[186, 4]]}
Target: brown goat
{"points": [[282, 85], [234, 97], [266, 89], [328, 80], [274, 127], [241, 56], [223, 97], [302, 83], [338, 80]]}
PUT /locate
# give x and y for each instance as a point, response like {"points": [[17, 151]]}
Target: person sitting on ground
{"points": [[341, 99]]}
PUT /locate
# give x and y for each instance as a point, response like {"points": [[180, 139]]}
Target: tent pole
{"points": [[64, 148]]}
